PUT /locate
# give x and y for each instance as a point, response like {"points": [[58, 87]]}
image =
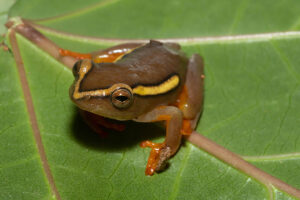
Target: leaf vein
{"points": [[231, 118], [285, 114], [78, 12], [287, 63], [240, 11], [179, 174], [117, 166], [18, 162]]}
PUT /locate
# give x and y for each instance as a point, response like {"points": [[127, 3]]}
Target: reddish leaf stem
{"points": [[31, 112], [237, 162]]}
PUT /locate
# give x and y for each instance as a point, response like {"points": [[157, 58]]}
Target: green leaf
{"points": [[20, 165], [4, 7], [252, 102]]}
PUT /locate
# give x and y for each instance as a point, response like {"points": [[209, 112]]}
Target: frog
{"points": [[147, 82], [144, 82]]}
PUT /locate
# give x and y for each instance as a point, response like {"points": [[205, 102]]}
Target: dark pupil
{"points": [[122, 98]]}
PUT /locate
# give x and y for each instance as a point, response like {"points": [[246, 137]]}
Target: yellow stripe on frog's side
{"points": [[162, 88], [141, 90]]}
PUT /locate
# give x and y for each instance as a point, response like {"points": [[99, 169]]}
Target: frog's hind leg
{"points": [[76, 55], [191, 98], [113, 53], [67, 57], [106, 55]]}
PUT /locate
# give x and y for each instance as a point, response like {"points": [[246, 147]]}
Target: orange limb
{"points": [[114, 53], [155, 149], [154, 155], [107, 57], [163, 118], [64, 52], [101, 58]]}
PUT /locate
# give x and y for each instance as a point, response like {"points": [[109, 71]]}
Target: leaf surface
{"points": [[252, 102]]}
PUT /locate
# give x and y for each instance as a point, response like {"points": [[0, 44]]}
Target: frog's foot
{"points": [[159, 155]]}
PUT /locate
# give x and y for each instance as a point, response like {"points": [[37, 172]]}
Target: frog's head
{"points": [[96, 89]]}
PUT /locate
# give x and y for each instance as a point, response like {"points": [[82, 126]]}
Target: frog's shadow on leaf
{"points": [[133, 135]]}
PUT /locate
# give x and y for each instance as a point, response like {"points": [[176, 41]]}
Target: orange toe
{"points": [[154, 155]]}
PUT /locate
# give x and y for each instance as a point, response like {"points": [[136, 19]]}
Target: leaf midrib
{"points": [[246, 38]]}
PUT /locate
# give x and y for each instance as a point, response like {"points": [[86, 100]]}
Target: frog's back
{"points": [[153, 63], [150, 64]]}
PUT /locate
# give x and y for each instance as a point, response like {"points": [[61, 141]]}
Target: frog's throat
{"points": [[166, 86]]}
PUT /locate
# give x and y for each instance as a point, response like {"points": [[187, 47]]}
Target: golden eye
{"points": [[121, 98]]}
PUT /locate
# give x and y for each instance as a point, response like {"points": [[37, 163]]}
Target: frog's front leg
{"points": [[161, 152]]}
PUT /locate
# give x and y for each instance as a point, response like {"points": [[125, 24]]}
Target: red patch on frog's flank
{"points": [[101, 125]]}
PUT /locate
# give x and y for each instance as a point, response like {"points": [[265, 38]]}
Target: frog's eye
{"points": [[121, 98]]}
